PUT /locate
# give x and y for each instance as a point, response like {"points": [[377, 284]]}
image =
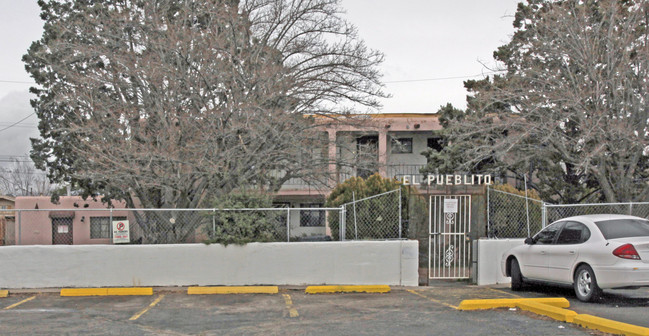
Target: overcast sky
{"points": [[425, 42]]}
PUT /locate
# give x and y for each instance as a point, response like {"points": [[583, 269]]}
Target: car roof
{"points": [[600, 217]]}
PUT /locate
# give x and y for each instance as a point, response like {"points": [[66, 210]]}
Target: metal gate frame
{"points": [[449, 250]]}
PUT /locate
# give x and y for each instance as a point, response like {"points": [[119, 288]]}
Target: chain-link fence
{"points": [[165, 226], [512, 216], [374, 217], [515, 216], [555, 212]]}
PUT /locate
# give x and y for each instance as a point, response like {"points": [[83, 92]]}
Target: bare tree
{"points": [[571, 111], [164, 104], [24, 180]]}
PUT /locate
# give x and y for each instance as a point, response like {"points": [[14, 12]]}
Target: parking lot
{"points": [[422, 310]]}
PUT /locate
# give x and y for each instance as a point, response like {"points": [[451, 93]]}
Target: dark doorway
{"points": [[62, 231]]}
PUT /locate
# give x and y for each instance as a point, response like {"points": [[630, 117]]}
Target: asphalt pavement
{"points": [[404, 311]]}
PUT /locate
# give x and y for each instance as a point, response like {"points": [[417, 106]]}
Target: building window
{"points": [[312, 217], [401, 145], [367, 148], [436, 143], [100, 227]]}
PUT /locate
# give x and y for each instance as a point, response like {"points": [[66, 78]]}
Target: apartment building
{"points": [[388, 144]]}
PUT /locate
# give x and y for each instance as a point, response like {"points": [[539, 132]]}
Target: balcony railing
{"points": [[344, 173]]}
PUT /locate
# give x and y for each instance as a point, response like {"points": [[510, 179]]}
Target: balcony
{"points": [[343, 173]]}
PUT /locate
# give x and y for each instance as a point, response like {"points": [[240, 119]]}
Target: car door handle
{"points": [[542, 252], [571, 252]]}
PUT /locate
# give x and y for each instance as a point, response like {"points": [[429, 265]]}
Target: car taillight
{"points": [[626, 251]]}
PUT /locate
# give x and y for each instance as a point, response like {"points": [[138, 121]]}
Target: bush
{"points": [[242, 227]]}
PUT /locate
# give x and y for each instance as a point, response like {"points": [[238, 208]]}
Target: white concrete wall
{"points": [[308, 263], [490, 252]]}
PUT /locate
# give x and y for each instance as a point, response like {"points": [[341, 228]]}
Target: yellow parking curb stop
{"points": [[510, 303], [610, 326], [233, 290], [348, 289], [107, 291], [556, 313]]}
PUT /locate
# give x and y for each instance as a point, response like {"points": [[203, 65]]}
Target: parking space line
{"points": [[433, 300], [19, 303], [292, 312], [503, 292], [143, 311]]}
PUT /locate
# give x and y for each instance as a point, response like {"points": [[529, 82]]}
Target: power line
{"points": [[388, 82], [16, 82], [441, 78], [17, 122]]}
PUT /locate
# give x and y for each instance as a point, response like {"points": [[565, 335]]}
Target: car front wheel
{"points": [[517, 277], [585, 284]]}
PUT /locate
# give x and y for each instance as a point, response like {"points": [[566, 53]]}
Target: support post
{"points": [[288, 224], [400, 221]]}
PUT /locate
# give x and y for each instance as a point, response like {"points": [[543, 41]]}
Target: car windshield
{"points": [[623, 228]]}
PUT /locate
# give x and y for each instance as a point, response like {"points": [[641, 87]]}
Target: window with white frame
{"points": [[100, 227], [312, 218]]}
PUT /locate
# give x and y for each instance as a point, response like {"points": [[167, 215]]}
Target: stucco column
{"points": [[333, 178], [383, 152]]}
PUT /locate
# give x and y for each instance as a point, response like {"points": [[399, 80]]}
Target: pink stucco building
{"points": [[72, 221]]}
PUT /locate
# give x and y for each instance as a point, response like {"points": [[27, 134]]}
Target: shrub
{"points": [[242, 227]]}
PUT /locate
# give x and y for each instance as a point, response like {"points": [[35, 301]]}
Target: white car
{"points": [[590, 253]]}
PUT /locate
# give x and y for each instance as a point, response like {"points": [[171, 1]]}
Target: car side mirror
{"points": [[529, 241]]}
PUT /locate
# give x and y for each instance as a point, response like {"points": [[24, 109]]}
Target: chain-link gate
{"points": [[449, 225], [512, 216], [374, 217]]}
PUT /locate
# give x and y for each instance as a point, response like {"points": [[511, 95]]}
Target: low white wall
{"points": [[307, 263], [490, 252]]}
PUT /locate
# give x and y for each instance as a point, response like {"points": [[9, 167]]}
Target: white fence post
{"points": [[400, 222], [488, 211], [213, 223], [343, 223], [288, 224]]}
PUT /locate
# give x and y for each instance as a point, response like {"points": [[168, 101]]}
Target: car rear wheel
{"points": [[517, 277], [585, 284]]}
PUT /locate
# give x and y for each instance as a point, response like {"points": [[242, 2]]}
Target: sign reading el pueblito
{"points": [[447, 179]]}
